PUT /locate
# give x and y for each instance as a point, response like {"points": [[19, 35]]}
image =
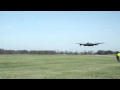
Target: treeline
{"points": [[103, 52], [2, 51], [51, 52]]}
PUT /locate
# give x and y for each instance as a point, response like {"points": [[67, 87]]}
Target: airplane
{"points": [[89, 44]]}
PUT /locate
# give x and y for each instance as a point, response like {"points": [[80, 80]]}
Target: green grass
{"points": [[59, 67]]}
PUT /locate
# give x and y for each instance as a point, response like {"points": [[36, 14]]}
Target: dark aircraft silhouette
{"points": [[89, 44]]}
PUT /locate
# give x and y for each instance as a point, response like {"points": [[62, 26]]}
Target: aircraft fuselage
{"points": [[89, 44]]}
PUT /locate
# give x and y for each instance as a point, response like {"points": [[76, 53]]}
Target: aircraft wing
{"points": [[100, 43], [78, 43], [95, 44]]}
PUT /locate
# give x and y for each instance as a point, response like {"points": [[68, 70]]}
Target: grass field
{"points": [[59, 67]]}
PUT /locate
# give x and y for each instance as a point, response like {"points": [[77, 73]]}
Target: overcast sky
{"points": [[59, 30]]}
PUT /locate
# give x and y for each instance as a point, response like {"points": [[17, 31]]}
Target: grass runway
{"points": [[59, 67]]}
